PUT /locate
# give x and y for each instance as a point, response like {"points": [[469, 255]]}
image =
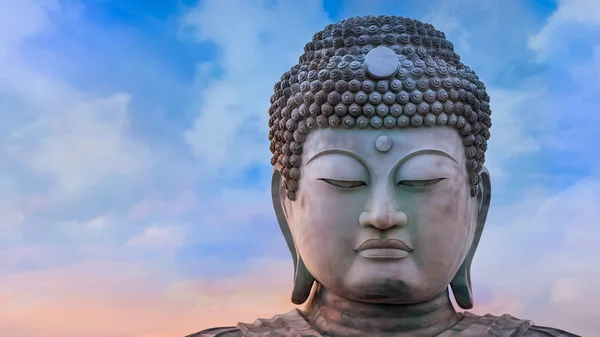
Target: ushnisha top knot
{"points": [[377, 72], [381, 62]]}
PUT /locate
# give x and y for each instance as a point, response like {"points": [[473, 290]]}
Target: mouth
{"points": [[389, 249]]}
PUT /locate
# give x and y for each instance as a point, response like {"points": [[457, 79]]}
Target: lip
{"points": [[387, 244], [389, 249]]}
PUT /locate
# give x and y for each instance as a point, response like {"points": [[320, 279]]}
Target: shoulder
{"points": [[229, 331], [280, 325], [500, 325], [542, 331]]}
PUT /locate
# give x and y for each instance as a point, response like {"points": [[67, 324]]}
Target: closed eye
{"points": [[420, 183], [344, 183]]}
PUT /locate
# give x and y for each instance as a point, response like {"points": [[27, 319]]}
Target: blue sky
{"points": [[134, 138]]}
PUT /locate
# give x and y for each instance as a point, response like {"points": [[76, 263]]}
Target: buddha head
{"points": [[378, 137]]}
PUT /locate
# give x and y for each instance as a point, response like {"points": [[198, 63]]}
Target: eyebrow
{"points": [[363, 161], [428, 151], [354, 155]]}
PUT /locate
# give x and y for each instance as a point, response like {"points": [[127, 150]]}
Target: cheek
{"points": [[443, 224], [324, 222]]}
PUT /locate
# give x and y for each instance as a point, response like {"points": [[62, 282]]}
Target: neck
{"points": [[335, 316]]}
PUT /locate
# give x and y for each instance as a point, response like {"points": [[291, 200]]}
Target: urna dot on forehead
{"points": [[383, 143]]}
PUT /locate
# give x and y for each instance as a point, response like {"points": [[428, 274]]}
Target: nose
{"points": [[383, 217], [382, 213]]}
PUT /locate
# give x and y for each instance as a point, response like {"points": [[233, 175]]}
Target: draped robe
{"points": [[293, 324]]}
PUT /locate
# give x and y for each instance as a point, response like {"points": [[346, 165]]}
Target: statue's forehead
{"points": [[403, 141]]}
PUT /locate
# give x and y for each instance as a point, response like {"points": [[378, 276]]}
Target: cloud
{"points": [[73, 138], [62, 145], [22, 20], [229, 133], [510, 138], [259, 277], [67, 138], [248, 204], [12, 220], [545, 258], [160, 238], [567, 45], [112, 299], [566, 290], [559, 26], [87, 141], [161, 205]]}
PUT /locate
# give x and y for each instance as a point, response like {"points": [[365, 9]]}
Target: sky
{"points": [[134, 180]]}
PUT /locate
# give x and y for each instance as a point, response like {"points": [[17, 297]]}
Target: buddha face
{"points": [[383, 216]]}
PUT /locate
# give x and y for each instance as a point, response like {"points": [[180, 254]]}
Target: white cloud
{"points": [[565, 290], [85, 232], [567, 44], [248, 204], [230, 132], [509, 132], [161, 238], [510, 137], [87, 140], [52, 128], [546, 258], [12, 220], [552, 36], [22, 19]]}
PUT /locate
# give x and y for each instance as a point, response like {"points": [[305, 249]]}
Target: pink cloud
{"points": [[10, 258], [142, 210], [102, 298]]}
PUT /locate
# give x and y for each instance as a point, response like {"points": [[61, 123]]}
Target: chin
{"points": [[391, 289], [378, 290]]}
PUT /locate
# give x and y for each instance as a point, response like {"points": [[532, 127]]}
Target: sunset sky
{"points": [[134, 180]]}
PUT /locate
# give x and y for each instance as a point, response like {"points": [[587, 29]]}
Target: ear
{"points": [[303, 280], [277, 195], [485, 198], [461, 283]]}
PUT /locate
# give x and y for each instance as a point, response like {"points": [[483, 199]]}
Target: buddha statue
{"points": [[378, 137]]}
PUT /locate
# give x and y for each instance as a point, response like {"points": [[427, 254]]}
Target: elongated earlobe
{"points": [[461, 283], [280, 213], [303, 282], [461, 286]]}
